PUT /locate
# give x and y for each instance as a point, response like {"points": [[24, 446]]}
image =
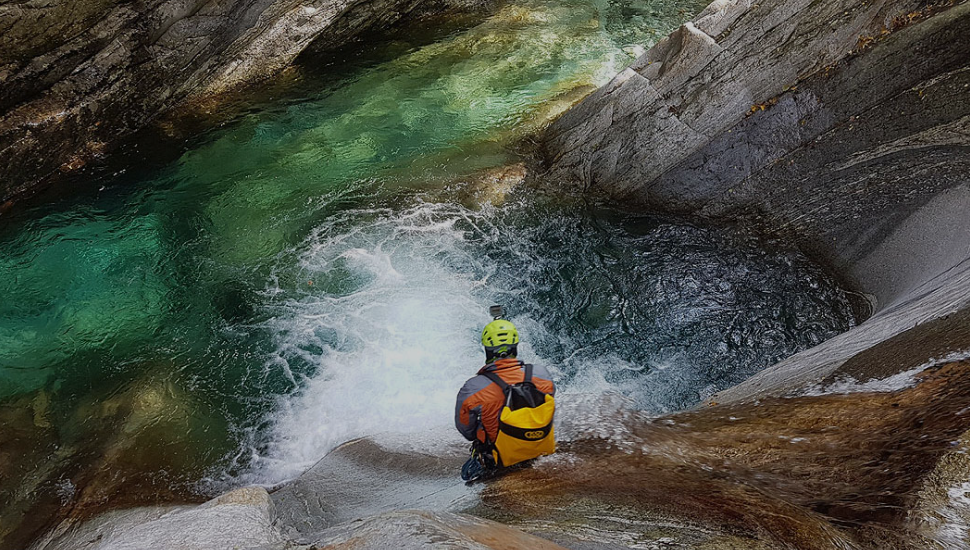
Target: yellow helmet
{"points": [[499, 338]]}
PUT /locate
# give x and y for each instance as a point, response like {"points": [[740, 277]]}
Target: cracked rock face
{"points": [[844, 127], [76, 75], [700, 81], [833, 123]]}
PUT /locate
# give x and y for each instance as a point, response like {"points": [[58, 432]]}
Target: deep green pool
{"points": [[319, 268]]}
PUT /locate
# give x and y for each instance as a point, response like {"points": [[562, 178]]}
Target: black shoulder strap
{"points": [[497, 379], [502, 383]]}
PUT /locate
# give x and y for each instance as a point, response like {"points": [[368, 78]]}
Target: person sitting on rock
{"points": [[486, 410]]}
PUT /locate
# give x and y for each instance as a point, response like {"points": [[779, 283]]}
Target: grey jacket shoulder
{"points": [[541, 372], [538, 371], [474, 385]]}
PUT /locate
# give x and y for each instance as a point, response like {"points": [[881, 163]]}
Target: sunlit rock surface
{"points": [[842, 127], [77, 75], [239, 519]]}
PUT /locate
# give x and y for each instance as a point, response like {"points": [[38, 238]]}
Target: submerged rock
{"points": [[75, 76], [135, 447], [26, 441], [492, 186]]}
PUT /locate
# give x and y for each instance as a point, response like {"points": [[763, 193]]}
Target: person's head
{"points": [[500, 340]]}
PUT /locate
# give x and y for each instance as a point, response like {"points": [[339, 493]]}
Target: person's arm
{"points": [[467, 412]]}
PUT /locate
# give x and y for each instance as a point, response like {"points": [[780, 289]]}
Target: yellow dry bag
{"points": [[525, 424]]}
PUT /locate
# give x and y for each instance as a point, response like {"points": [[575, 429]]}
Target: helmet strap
{"points": [[492, 355]]}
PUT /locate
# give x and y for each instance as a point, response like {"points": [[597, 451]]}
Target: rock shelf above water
{"points": [[842, 127], [77, 76], [862, 470]]}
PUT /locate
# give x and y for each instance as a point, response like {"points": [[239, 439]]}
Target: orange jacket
{"points": [[480, 400]]}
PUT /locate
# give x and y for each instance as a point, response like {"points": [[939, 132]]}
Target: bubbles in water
{"points": [[656, 311], [389, 330]]}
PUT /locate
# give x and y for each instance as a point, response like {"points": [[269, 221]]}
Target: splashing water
{"points": [[389, 327], [309, 273]]}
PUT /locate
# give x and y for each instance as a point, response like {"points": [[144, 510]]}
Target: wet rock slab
{"points": [[823, 472], [414, 529], [239, 519], [361, 478], [356, 497]]}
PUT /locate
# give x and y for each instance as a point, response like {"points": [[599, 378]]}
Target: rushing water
{"points": [[319, 269]]}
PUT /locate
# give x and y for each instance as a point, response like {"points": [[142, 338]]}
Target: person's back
{"points": [[483, 397], [480, 400]]}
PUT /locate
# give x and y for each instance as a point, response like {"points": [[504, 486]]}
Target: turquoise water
{"points": [[319, 268]]}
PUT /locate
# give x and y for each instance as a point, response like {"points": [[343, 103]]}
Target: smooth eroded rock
{"points": [[239, 519], [416, 529], [78, 75], [361, 478]]}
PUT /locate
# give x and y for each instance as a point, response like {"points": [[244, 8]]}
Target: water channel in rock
{"points": [[319, 268]]}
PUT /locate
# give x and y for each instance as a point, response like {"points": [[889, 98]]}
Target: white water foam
{"points": [[896, 382], [389, 330], [391, 353]]}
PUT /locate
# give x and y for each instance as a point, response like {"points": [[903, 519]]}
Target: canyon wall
{"points": [[842, 127], [77, 76]]}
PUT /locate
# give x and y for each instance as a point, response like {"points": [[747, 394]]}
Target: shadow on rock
{"points": [[831, 471]]}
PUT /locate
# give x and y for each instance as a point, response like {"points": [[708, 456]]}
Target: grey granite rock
{"points": [[698, 82], [77, 75], [239, 519], [842, 127], [838, 163], [842, 162]]}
